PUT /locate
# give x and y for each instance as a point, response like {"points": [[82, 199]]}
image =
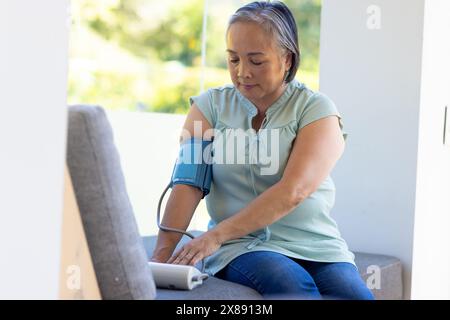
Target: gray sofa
{"points": [[119, 254]]}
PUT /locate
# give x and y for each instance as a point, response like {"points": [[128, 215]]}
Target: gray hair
{"points": [[276, 18]]}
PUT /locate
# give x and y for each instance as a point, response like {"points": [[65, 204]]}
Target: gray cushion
{"points": [[390, 277], [211, 289], [117, 251], [391, 283]]}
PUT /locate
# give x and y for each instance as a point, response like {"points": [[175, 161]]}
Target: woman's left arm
{"points": [[317, 148]]}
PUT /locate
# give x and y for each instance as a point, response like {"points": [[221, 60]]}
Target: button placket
{"points": [[253, 144]]}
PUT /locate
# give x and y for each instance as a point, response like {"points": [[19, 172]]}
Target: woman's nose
{"points": [[243, 71]]}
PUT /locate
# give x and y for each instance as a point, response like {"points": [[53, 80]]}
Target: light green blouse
{"points": [[308, 232]]}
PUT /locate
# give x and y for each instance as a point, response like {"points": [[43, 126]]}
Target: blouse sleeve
{"points": [[317, 107], [205, 104]]}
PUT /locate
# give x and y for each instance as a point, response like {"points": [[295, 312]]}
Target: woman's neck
{"points": [[264, 104]]}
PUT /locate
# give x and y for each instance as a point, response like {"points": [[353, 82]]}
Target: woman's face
{"points": [[256, 64]]}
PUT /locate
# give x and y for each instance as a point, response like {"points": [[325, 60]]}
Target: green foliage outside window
{"points": [[146, 54]]}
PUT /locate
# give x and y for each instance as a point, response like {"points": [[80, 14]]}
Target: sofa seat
{"points": [[390, 284]]}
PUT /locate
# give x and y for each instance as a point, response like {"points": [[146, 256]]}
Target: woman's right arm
{"points": [[183, 199]]}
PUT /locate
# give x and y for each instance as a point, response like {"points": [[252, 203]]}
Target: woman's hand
{"points": [[161, 255], [196, 249]]}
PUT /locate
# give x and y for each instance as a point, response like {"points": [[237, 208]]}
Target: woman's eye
{"points": [[234, 61]]}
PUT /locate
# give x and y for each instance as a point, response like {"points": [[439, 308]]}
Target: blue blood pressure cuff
{"points": [[194, 165]]}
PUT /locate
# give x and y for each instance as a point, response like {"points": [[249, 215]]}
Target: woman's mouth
{"points": [[248, 86]]}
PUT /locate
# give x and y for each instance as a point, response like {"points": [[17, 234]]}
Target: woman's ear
{"points": [[288, 60]]}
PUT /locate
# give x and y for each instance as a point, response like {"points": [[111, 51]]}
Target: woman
{"points": [[270, 230]]}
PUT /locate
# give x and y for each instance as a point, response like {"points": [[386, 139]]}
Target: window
{"points": [[146, 55]]}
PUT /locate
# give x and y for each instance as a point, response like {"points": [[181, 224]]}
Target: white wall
{"points": [[33, 73], [391, 84], [431, 257], [373, 75]]}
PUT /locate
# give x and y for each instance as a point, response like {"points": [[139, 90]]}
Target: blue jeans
{"points": [[276, 276]]}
